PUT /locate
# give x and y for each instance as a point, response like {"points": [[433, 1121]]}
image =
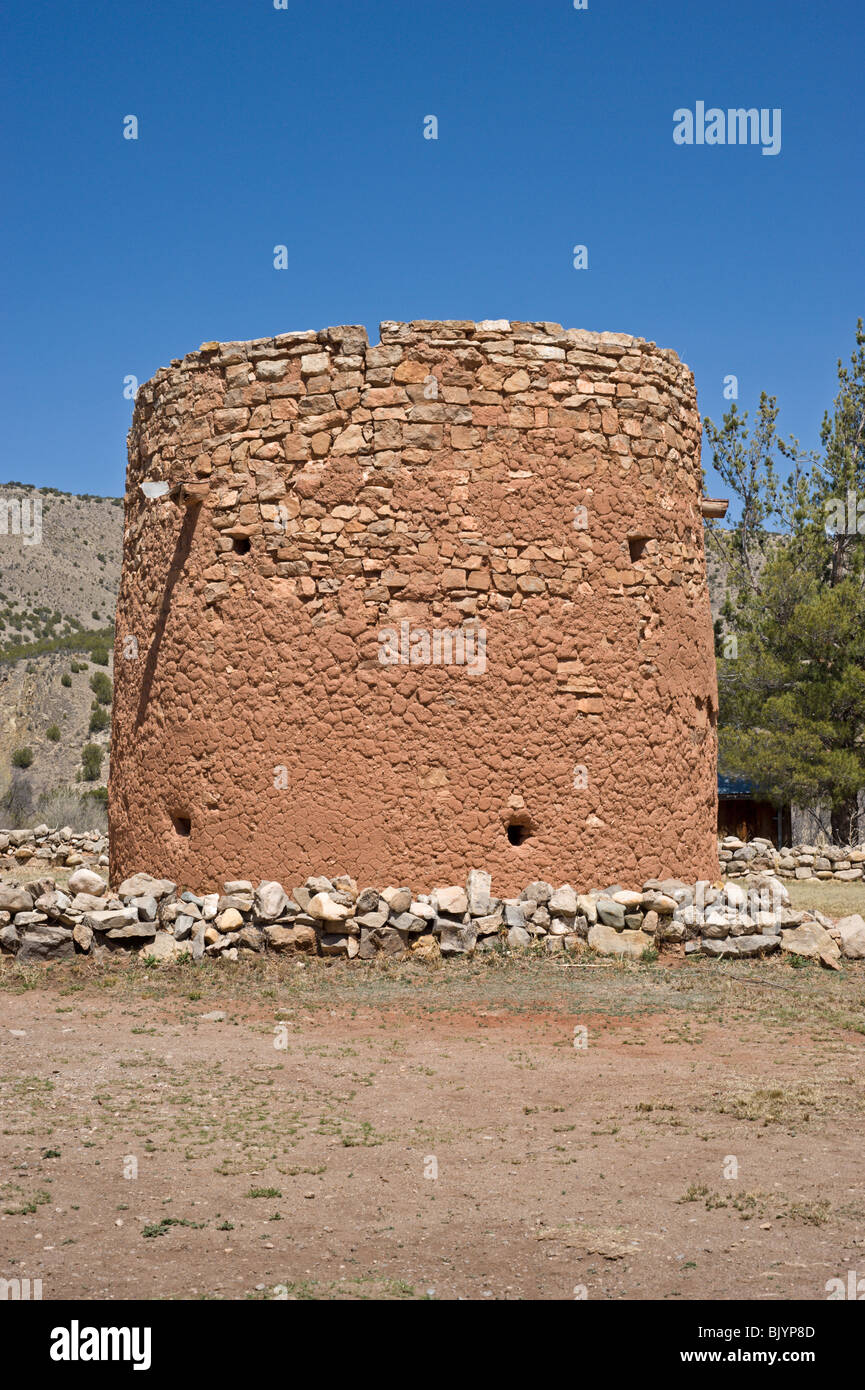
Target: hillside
{"points": [[59, 572]]}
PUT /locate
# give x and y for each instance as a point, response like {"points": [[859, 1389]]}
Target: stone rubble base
{"points": [[332, 917]]}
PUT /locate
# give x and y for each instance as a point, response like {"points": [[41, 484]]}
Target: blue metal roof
{"points": [[734, 786]]}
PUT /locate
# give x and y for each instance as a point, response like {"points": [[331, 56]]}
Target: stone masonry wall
{"points": [[845, 864], [414, 607]]}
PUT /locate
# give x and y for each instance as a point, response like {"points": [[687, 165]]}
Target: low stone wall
{"points": [[65, 847], [748, 915], [846, 864], [39, 921]]}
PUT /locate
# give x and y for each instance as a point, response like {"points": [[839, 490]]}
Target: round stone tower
{"points": [[404, 610]]}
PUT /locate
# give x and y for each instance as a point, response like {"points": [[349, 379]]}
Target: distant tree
{"points": [[66, 679], [99, 719], [91, 762], [102, 687], [22, 757], [53, 732]]}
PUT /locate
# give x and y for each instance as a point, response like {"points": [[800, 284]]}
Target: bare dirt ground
{"points": [[148, 1152]]}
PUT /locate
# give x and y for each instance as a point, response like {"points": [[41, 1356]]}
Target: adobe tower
{"points": [[409, 609]]}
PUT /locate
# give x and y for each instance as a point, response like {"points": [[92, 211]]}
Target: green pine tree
{"points": [[792, 697]]}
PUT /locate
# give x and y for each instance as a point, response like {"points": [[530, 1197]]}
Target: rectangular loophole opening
{"points": [[637, 546]]}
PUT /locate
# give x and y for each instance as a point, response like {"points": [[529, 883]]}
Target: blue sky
{"points": [[304, 127]]}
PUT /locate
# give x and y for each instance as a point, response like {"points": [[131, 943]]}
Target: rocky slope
{"points": [[59, 572]]}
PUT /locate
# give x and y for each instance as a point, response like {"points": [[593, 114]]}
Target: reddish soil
{"points": [[558, 1167]]}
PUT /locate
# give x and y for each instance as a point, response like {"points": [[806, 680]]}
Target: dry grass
{"points": [[761, 1205], [691, 992], [793, 1105], [835, 899]]}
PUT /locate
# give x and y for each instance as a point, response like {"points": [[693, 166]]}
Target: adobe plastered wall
{"points": [[346, 523]]}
